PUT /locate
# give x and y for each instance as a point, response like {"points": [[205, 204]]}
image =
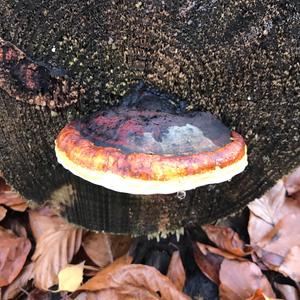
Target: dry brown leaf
{"points": [[13, 254], [259, 295], [226, 239], [19, 207], [291, 264], [287, 291], [113, 294], [269, 205], [10, 198], [103, 275], [292, 182], [257, 228], [210, 249], [42, 220], [209, 263], [3, 212], [120, 244], [21, 281], [272, 242], [37, 294], [133, 280], [103, 248], [70, 277], [267, 260], [176, 272], [54, 250], [16, 227], [98, 248], [240, 279], [284, 236]]}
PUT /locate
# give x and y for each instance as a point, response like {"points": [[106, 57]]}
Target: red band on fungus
{"points": [[151, 146]]}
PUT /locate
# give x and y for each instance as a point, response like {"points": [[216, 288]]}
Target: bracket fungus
{"points": [[149, 146]]}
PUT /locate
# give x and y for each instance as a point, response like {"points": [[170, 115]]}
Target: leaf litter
{"points": [[46, 254]]}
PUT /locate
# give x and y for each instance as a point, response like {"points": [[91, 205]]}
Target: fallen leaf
{"points": [[240, 279], [16, 227], [70, 277], [291, 264], [292, 182], [13, 254], [267, 260], [209, 263], [21, 207], [120, 244], [21, 281], [226, 239], [54, 250], [259, 295], [133, 280], [10, 198], [98, 248], [176, 272], [284, 236], [210, 249], [3, 212], [269, 205], [272, 242], [287, 291], [37, 294], [104, 248], [257, 228], [113, 294], [105, 273], [42, 220]]}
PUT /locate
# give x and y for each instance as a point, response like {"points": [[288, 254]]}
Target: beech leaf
{"points": [[259, 295], [176, 272], [240, 280], [209, 263], [13, 254], [113, 294], [103, 248], [291, 264], [132, 280], [42, 220], [210, 249], [10, 198], [54, 250], [70, 277], [292, 182], [269, 205], [104, 274], [226, 239], [3, 212], [257, 228], [287, 291], [21, 281], [277, 243]]}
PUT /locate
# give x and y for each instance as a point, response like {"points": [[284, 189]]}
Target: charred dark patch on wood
{"points": [[235, 59], [35, 83]]}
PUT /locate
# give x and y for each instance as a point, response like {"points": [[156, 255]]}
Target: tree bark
{"points": [[238, 59]]}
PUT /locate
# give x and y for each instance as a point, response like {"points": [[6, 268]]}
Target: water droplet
{"points": [[181, 195]]}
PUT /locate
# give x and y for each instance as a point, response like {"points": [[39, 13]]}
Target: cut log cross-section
{"points": [[62, 61]]}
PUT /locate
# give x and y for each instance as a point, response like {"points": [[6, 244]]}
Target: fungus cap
{"points": [[150, 152]]}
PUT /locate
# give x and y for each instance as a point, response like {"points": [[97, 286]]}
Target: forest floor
{"points": [[252, 255]]}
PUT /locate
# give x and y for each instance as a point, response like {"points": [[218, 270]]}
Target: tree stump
{"points": [[237, 60]]}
